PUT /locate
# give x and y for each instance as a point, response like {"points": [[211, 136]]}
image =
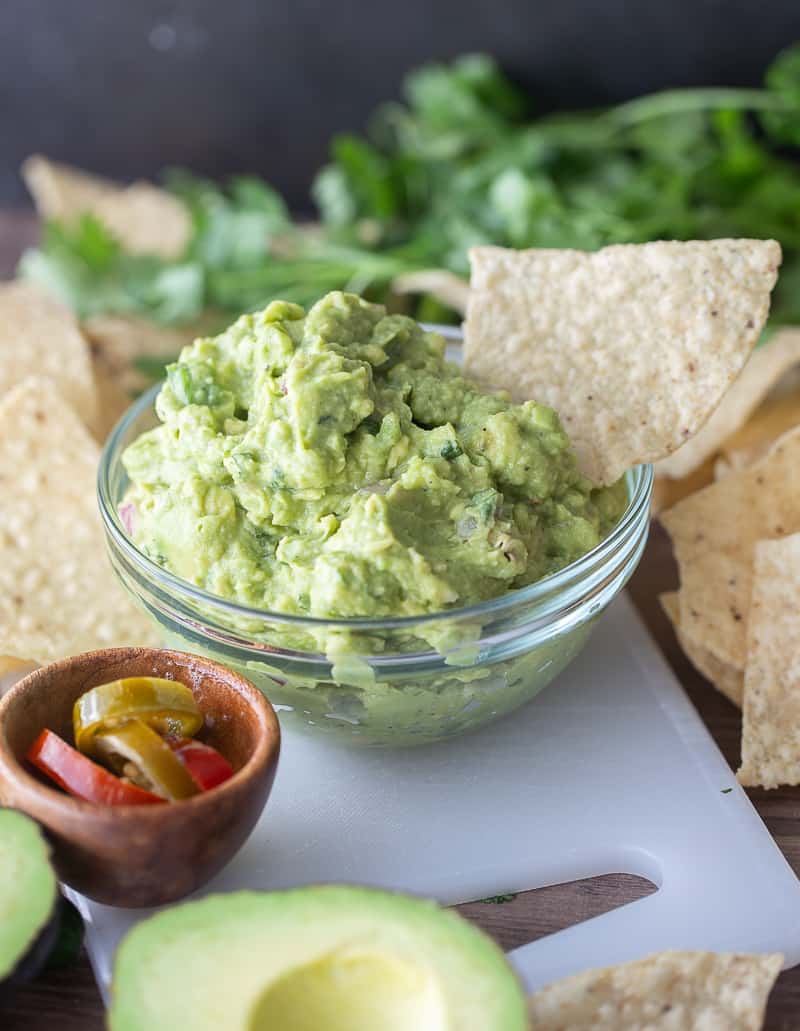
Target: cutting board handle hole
{"points": [[544, 911]]}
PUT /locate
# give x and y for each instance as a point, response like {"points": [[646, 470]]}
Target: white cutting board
{"points": [[610, 769]]}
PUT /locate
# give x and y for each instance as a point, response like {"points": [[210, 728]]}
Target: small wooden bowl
{"points": [[141, 855]]}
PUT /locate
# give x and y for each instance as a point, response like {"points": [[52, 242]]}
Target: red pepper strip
{"points": [[81, 777], [206, 766]]}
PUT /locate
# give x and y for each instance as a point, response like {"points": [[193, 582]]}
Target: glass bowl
{"points": [[395, 682]]}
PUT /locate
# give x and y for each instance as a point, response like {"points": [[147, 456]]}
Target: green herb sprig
{"points": [[460, 163]]}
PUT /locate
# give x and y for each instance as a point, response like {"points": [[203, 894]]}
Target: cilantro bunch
{"points": [[460, 162]]}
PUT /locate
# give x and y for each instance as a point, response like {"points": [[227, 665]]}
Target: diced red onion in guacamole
{"points": [[126, 514]]}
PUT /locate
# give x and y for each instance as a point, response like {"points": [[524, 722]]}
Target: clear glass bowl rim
{"points": [[494, 607]]}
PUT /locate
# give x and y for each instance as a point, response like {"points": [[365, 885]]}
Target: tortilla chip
{"points": [[39, 336], [763, 369], [671, 606], [144, 218], [667, 492], [10, 664], [112, 399], [12, 670], [669, 991], [118, 340], [771, 719], [445, 286], [714, 533], [725, 678], [58, 594], [634, 345], [779, 413], [733, 462]]}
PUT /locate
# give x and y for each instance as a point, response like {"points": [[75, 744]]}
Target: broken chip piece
{"points": [[727, 679], [714, 533], [771, 717], [690, 991], [144, 218]]}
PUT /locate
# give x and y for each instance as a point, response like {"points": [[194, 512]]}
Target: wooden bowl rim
{"points": [[265, 754]]}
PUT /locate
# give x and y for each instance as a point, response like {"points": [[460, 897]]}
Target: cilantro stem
{"points": [[686, 101]]}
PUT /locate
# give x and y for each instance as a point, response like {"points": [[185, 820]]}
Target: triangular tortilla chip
{"points": [[714, 533], [144, 218], [39, 336], [727, 679], [771, 719], [58, 594], [634, 345], [670, 991], [763, 370]]}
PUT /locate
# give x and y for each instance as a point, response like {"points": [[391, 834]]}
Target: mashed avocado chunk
{"points": [[334, 464]]}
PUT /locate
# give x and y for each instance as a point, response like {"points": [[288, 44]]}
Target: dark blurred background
{"points": [[124, 87]]}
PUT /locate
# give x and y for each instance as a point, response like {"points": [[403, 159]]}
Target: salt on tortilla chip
{"points": [[58, 594], [764, 368], [448, 288], [714, 533], [634, 345], [39, 336], [728, 680], [669, 991], [771, 716], [144, 218]]}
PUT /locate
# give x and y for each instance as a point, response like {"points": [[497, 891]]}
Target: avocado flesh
{"points": [[313, 959], [28, 897]]}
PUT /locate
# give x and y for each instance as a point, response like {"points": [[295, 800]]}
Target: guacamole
{"points": [[334, 464]]}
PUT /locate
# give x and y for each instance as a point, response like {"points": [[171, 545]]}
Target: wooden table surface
{"points": [[69, 999]]}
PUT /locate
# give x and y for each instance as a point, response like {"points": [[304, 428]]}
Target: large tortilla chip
{"points": [[634, 345], [670, 991], [714, 533], [771, 720], [39, 336], [727, 679], [763, 370], [144, 218], [58, 595]]}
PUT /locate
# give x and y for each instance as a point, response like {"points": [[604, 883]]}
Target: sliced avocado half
{"points": [[28, 898], [329, 958]]}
